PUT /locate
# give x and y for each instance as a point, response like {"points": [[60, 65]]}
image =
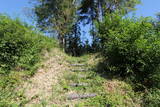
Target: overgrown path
{"points": [[65, 81], [58, 82], [39, 88]]}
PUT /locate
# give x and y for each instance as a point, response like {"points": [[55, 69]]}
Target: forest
{"points": [[118, 67]]}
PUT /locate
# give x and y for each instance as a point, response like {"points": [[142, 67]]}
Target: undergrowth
{"points": [[131, 51], [21, 48]]}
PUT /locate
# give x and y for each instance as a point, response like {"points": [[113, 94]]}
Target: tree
{"points": [[96, 9], [157, 22], [55, 15], [62, 15], [73, 41], [92, 10]]}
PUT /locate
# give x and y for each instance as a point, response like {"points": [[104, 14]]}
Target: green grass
{"points": [[9, 83], [22, 48], [115, 92], [109, 91]]}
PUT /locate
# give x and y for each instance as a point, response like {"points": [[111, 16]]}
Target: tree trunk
{"points": [[62, 42], [64, 45]]}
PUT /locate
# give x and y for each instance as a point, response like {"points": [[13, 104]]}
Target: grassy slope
{"points": [[21, 50], [10, 82], [110, 91]]}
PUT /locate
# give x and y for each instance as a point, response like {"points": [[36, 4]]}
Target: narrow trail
{"points": [[63, 81], [39, 88]]}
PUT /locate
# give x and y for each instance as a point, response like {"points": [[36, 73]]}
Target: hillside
{"points": [[122, 71], [62, 81]]}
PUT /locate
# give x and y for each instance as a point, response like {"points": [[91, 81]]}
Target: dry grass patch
{"points": [[39, 88]]}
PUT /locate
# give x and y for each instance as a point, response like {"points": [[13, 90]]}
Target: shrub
{"points": [[131, 48], [152, 98], [20, 46], [20, 50]]}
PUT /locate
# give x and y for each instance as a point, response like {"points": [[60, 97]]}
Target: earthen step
{"points": [[82, 76], [77, 64], [79, 84], [80, 96], [74, 70]]}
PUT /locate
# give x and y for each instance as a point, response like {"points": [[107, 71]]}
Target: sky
{"points": [[148, 8], [15, 8]]}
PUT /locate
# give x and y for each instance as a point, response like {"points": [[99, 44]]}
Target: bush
{"points": [[152, 98], [20, 50], [131, 48], [20, 46]]}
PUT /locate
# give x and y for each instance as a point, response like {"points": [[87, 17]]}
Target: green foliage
{"points": [[131, 47], [114, 93], [20, 50], [20, 46], [55, 15], [65, 16], [93, 7], [152, 98]]}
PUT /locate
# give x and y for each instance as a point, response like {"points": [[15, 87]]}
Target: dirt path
{"points": [[39, 88]]}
